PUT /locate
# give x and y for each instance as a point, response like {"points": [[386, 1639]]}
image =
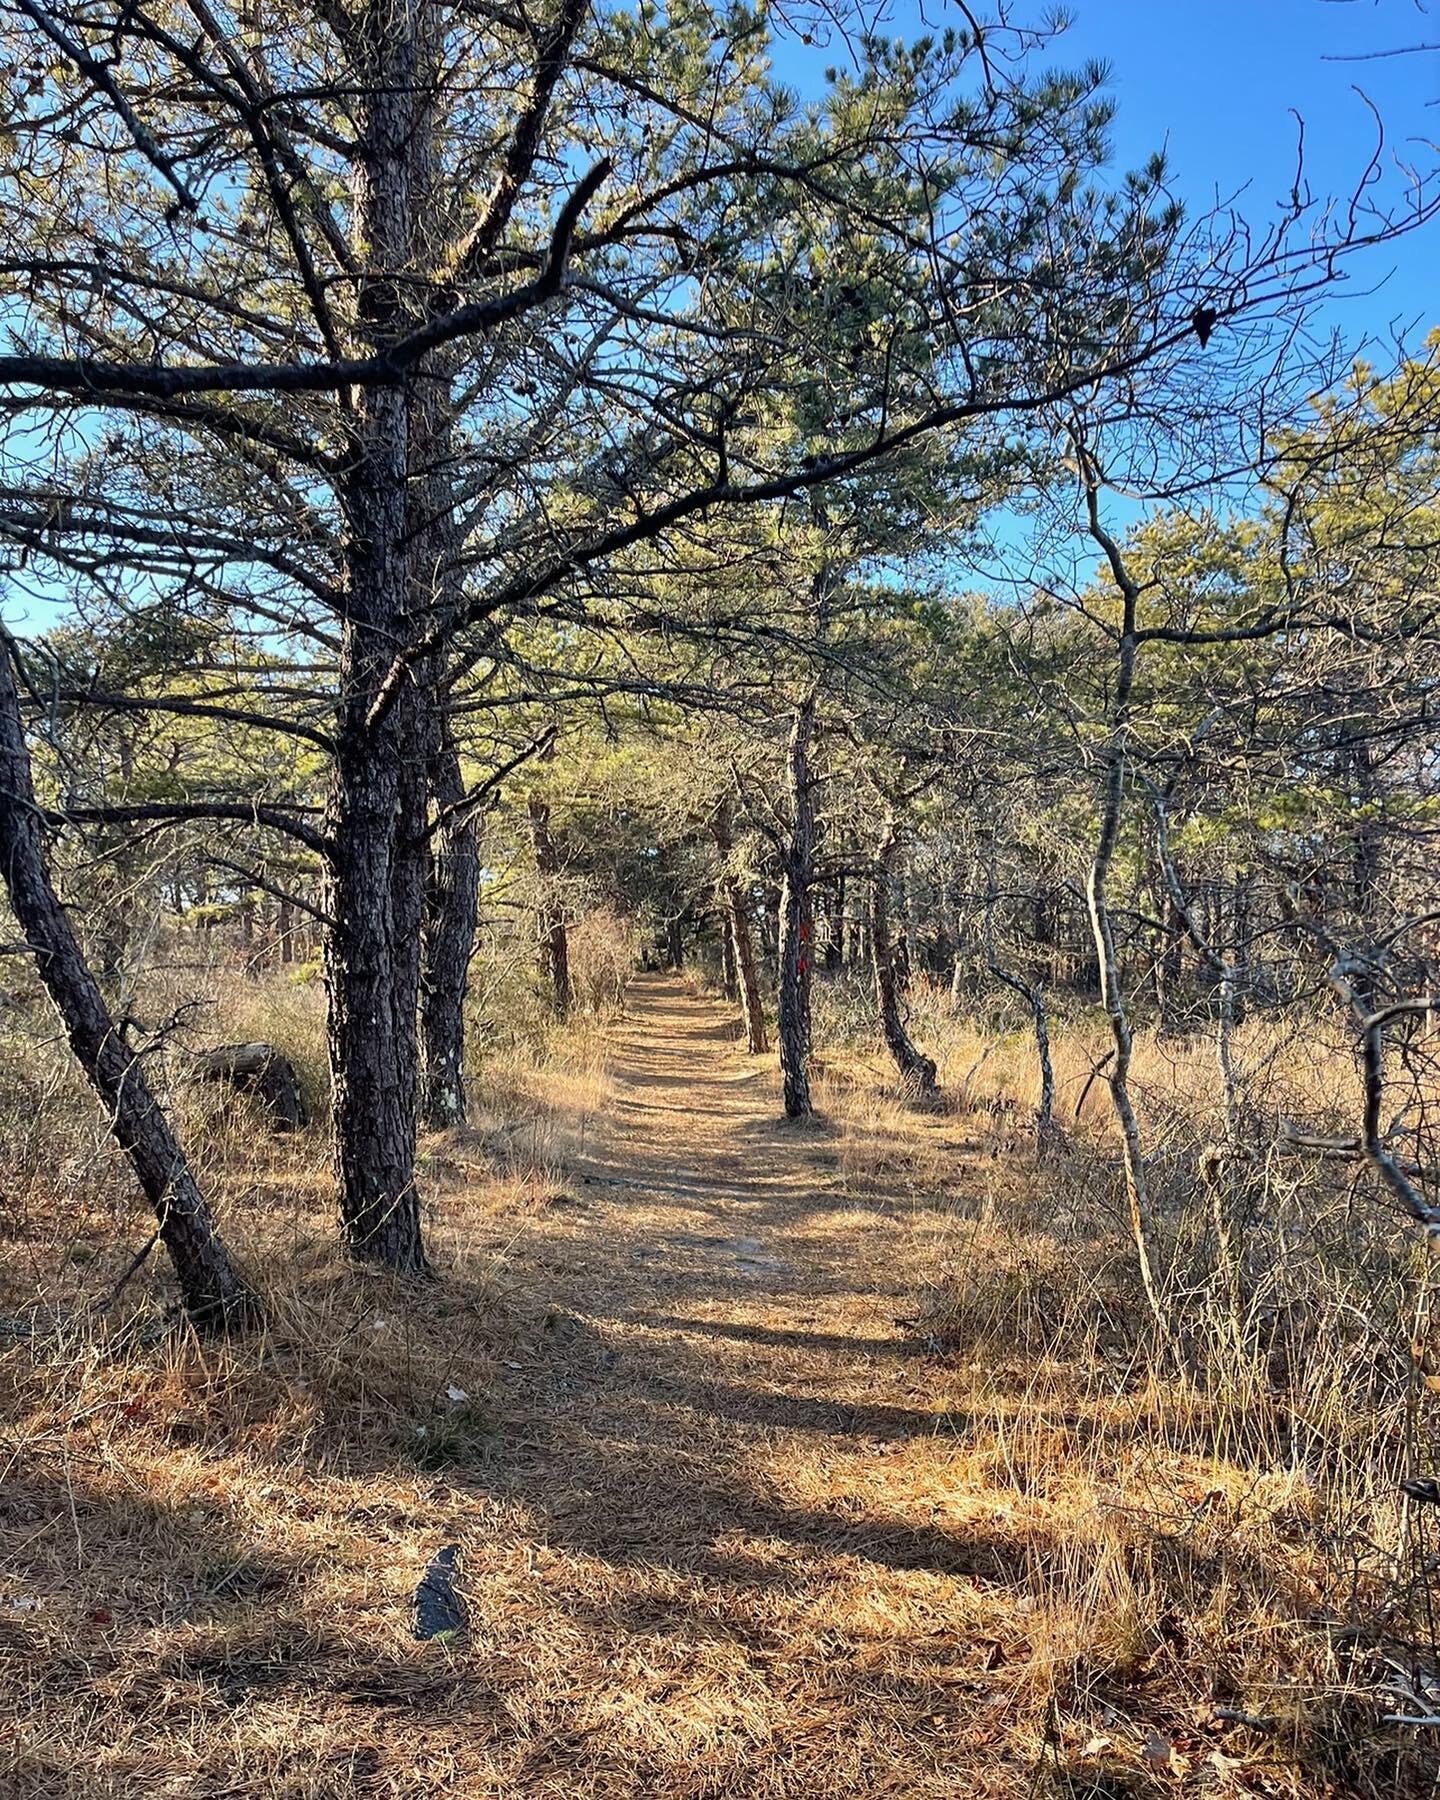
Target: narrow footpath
{"points": [[725, 1546]]}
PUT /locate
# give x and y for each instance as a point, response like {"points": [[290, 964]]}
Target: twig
{"points": [[131, 1270]]}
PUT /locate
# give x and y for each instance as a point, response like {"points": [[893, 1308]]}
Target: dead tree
{"points": [[261, 1070]]}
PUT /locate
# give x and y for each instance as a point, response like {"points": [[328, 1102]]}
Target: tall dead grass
{"points": [[190, 1530], [1224, 1526], [1198, 1580]]}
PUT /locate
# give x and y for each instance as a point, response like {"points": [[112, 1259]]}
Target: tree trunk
{"points": [[452, 894], [917, 1071], [451, 864], [729, 980], [213, 1294], [742, 939], [372, 964], [1113, 1000], [1113, 759], [550, 914], [794, 951], [902, 905], [377, 802]]}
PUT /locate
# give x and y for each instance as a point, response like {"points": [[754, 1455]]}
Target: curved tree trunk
{"points": [[1113, 759], [213, 1294], [917, 1070], [793, 1023]]}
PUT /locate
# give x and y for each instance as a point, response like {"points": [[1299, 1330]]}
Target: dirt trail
{"points": [[726, 1548]]}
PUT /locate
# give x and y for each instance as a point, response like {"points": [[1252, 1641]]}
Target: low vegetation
{"points": [[1183, 1578], [718, 815]]}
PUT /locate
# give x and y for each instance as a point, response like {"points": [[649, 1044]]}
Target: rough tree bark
{"points": [[793, 1022], [372, 963], [452, 895], [377, 801], [917, 1071], [211, 1291], [452, 870]]}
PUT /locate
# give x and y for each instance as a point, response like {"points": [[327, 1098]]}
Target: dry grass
{"points": [[787, 1464], [1228, 1534], [208, 1551]]}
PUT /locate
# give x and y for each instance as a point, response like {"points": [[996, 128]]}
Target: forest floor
{"points": [[746, 1561], [728, 1523]]}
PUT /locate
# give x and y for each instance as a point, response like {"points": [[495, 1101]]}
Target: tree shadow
{"points": [[786, 1337]]}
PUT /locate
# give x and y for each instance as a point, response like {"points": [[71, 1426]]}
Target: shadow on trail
{"points": [[786, 1337], [631, 1465]]}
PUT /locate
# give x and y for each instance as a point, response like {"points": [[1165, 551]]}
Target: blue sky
{"points": [[1217, 85], [1214, 82]]}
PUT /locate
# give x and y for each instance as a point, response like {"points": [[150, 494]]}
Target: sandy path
{"points": [[723, 1548]]}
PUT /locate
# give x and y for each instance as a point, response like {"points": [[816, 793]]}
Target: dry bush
{"points": [[506, 1007], [1225, 1523], [604, 948]]}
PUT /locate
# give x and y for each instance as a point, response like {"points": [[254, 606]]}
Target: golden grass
{"points": [[1226, 1535], [787, 1464]]}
